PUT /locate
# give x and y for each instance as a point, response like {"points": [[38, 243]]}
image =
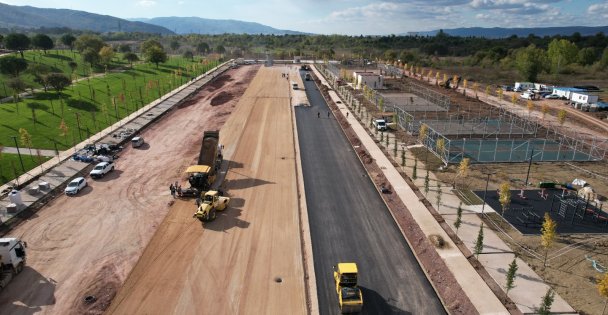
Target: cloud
{"points": [[146, 3], [599, 9]]}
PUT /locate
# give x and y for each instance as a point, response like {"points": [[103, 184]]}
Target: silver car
{"points": [[76, 185]]}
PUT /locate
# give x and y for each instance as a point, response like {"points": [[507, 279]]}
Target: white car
{"points": [[75, 186], [102, 169], [551, 96]]}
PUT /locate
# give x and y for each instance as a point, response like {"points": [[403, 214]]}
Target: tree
{"points": [[530, 62], [91, 56], [602, 285], [414, 170], [188, 55], [73, 65], [463, 169], [479, 242], [58, 81], [148, 44], [504, 196], [220, 49], [403, 158], [130, 57], [547, 301], [174, 44], [18, 42], [548, 234], [426, 182], [458, 221], [124, 48], [42, 41], [40, 71], [18, 86], [561, 52], [26, 139], [422, 133], [603, 63], [202, 48], [586, 56], [438, 197], [12, 65], [68, 40], [561, 116], [156, 55], [64, 129], [544, 109], [530, 106], [106, 53], [89, 42], [511, 274]]}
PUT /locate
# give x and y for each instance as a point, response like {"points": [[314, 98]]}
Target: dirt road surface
{"points": [[247, 261], [88, 244]]}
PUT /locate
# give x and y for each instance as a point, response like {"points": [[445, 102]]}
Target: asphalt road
{"points": [[350, 223]]}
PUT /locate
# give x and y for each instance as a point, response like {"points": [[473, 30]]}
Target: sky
{"points": [[356, 17]]}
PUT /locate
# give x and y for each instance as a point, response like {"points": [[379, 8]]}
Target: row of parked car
{"points": [[99, 171]]}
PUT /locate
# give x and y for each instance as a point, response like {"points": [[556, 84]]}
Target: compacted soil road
{"points": [[88, 244], [249, 260]]}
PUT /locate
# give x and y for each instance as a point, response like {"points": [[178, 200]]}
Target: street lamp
{"points": [[18, 153], [489, 173]]}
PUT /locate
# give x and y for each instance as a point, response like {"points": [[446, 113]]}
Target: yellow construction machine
{"points": [[211, 202], [349, 294]]}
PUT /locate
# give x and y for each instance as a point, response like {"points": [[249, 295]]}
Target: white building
{"points": [[372, 80], [566, 92], [583, 98]]}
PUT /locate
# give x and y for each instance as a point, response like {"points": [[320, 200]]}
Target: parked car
{"points": [[75, 186], [527, 95], [102, 169], [551, 96], [507, 88], [137, 142]]}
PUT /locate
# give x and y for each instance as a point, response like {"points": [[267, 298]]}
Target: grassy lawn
{"points": [[7, 161], [87, 106]]}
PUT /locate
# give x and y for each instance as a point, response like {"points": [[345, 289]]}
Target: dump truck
{"points": [[211, 202], [211, 150], [12, 259], [350, 297], [202, 175]]}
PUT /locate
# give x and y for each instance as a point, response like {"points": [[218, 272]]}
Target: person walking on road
{"points": [[318, 115], [327, 114], [172, 189], [346, 114]]}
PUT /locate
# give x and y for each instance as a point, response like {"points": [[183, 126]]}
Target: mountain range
{"points": [[197, 25], [498, 32], [27, 17]]}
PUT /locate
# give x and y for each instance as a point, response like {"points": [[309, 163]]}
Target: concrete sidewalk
{"points": [[529, 287], [26, 151]]}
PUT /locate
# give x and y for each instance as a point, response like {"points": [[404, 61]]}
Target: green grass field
{"points": [[91, 104], [7, 161]]}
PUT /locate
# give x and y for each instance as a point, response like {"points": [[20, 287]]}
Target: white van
{"points": [[137, 142]]}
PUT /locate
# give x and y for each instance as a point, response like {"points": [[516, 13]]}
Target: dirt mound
{"points": [[221, 98], [99, 294], [220, 81]]}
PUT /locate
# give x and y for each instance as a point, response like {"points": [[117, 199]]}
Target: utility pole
{"points": [[529, 166], [489, 173], [18, 153]]}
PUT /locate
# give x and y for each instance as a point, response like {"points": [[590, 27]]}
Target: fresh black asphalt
{"points": [[350, 223]]}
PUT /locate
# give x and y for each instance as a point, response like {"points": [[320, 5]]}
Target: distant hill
{"points": [[196, 25], [27, 17], [498, 32]]}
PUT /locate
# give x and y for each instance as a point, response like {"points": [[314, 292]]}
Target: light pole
{"points": [[489, 173], [18, 153]]}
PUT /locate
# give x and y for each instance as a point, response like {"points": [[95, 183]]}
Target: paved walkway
{"points": [[529, 288], [26, 151], [59, 170]]}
